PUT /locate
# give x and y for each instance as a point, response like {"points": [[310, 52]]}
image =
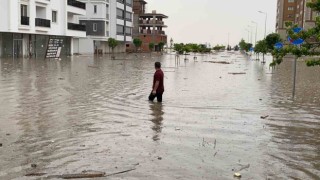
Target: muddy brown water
{"points": [[92, 114]]}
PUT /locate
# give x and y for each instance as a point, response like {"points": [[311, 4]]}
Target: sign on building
{"points": [[54, 48]]}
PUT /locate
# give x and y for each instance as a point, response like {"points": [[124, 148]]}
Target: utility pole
{"points": [[265, 23]]}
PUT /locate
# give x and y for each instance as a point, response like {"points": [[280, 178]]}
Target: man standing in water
{"points": [[157, 88]]}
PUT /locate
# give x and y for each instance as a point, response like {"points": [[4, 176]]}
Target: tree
{"points": [[236, 48], [112, 43], [219, 47], [271, 40], [187, 48], [261, 47], [137, 43], [243, 45], [161, 45], [179, 48], [311, 38], [194, 48], [151, 47]]}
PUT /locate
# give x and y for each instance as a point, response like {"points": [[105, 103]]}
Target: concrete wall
{"points": [[4, 16], [0, 45], [11, 17], [86, 46], [101, 28]]}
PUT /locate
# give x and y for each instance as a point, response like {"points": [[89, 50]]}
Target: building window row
{"points": [[121, 30], [25, 15], [128, 2], [121, 15]]}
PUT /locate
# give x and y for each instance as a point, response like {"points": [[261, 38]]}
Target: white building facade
{"points": [[27, 25], [106, 19]]}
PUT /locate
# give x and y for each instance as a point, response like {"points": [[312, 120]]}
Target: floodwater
{"points": [[92, 114]]}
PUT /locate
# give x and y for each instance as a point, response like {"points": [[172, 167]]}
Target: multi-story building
{"points": [[27, 25], [149, 27], [106, 19], [295, 11]]}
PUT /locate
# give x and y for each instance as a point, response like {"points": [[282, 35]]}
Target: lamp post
{"points": [[255, 43], [251, 32], [248, 34], [265, 25]]}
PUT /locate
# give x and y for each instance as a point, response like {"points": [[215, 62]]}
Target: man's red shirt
{"points": [[158, 76]]}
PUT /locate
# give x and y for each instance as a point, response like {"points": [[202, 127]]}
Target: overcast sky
{"points": [[210, 21]]}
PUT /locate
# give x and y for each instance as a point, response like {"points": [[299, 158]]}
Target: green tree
{"points": [[179, 48], [137, 43], [112, 43], [194, 48], [161, 45], [236, 48], [243, 44], [219, 47], [151, 47], [311, 38], [261, 47], [271, 40]]}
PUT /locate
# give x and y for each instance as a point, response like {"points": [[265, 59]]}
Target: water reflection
{"points": [[157, 118]]}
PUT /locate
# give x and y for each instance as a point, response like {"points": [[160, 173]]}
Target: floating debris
{"points": [[264, 117], [238, 73], [36, 174], [237, 175], [94, 67], [218, 62]]}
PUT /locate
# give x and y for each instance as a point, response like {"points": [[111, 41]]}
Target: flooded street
{"points": [[92, 114]]}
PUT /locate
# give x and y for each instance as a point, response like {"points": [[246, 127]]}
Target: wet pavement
{"points": [[92, 114]]}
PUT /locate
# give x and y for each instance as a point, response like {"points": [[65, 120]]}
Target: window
{"points": [[128, 16], [54, 16], [128, 31], [120, 14], [290, 1], [120, 30], [24, 10], [95, 9], [129, 2], [95, 27], [290, 8]]}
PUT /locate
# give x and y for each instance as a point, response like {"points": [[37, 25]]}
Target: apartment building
{"points": [[295, 11], [106, 19], [149, 27], [27, 25]]}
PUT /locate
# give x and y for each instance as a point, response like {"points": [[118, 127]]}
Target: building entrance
{"points": [[17, 48]]}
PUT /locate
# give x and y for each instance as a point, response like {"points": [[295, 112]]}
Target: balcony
{"points": [[152, 32], [76, 27], [43, 23], [151, 23], [25, 20], [77, 4], [120, 1]]}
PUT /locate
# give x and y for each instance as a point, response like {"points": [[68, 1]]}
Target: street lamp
{"points": [[248, 34], [256, 31], [251, 32], [265, 25]]}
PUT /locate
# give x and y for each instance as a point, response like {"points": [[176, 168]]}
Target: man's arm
{"points": [[155, 87]]}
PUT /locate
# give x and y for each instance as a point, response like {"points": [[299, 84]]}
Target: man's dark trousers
{"points": [[157, 95]]}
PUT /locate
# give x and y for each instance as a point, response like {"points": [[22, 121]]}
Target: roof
{"points": [[141, 1], [151, 15]]}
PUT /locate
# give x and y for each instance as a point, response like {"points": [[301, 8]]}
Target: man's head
{"points": [[157, 65]]}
